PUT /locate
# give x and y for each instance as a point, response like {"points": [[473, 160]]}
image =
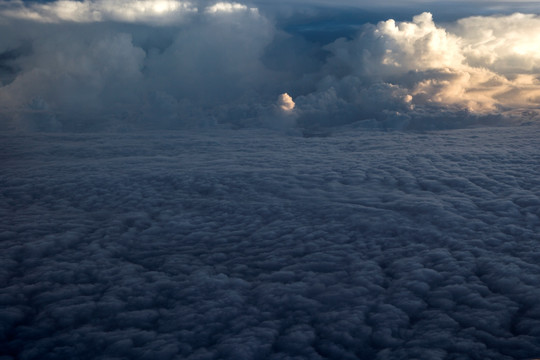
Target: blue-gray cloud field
{"points": [[251, 245]]}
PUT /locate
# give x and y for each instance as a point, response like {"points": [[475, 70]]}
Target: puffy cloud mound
{"points": [[409, 69], [507, 44], [285, 102], [418, 45], [136, 64]]}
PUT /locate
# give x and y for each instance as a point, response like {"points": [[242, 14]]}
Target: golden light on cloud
{"points": [[285, 102], [501, 43], [483, 64]]}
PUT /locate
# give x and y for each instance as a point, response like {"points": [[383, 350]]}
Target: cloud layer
{"points": [[248, 244], [101, 65]]}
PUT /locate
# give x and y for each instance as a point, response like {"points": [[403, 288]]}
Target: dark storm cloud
{"points": [[248, 244], [96, 65]]}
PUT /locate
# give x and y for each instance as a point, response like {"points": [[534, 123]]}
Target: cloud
{"points": [[285, 102], [504, 44], [419, 44], [107, 76], [88, 11], [226, 7], [238, 244], [476, 69], [73, 78], [98, 65]]}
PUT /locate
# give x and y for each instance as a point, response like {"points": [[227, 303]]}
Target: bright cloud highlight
{"points": [[505, 44], [226, 7], [285, 102], [145, 11]]}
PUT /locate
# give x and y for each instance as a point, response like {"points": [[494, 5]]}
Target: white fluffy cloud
{"points": [[481, 65], [416, 45], [506, 44]]}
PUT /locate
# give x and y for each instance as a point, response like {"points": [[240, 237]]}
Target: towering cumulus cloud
{"points": [[130, 64], [480, 67], [108, 65]]}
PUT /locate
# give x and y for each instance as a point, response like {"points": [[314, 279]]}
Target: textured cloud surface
{"points": [[136, 64], [252, 245]]}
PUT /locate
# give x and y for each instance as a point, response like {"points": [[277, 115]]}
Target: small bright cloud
{"points": [[285, 102]]}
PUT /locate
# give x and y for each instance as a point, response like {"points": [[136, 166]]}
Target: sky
{"points": [[273, 180], [99, 65]]}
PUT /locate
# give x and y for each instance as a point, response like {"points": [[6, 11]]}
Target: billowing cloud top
{"points": [[100, 64], [502, 43], [158, 11], [485, 66], [286, 102]]}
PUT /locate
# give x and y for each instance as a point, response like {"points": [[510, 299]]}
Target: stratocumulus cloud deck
{"points": [[248, 245]]}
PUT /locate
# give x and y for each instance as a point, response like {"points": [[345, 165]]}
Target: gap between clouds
{"points": [[98, 65]]}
